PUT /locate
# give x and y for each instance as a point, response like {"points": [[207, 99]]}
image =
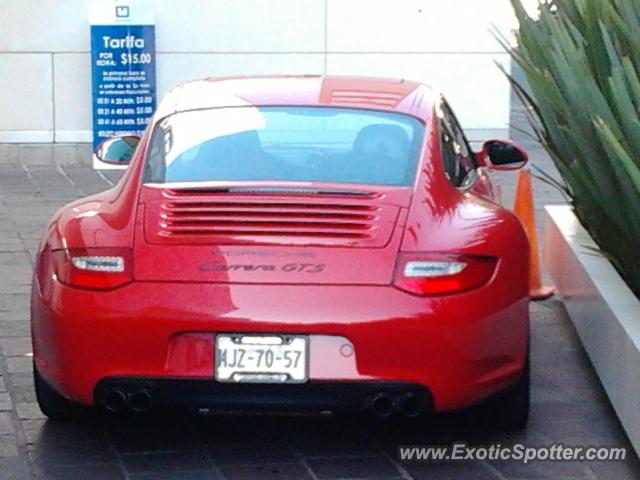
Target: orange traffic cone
{"points": [[523, 208]]}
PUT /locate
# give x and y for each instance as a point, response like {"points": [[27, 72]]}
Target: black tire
{"points": [[510, 411], [54, 405]]}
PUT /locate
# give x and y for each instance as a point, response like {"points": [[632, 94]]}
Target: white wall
{"points": [[45, 84]]}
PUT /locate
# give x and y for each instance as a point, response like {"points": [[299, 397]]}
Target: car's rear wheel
{"points": [[54, 405], [511, 410]]}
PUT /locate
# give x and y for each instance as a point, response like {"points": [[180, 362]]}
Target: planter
{"points": [[606, 314]]}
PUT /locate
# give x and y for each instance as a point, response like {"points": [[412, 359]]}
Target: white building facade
{"points": [[45, 67]]}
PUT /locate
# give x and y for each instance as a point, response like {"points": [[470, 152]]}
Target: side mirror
{"points": [[117, 150], [502, 155]]}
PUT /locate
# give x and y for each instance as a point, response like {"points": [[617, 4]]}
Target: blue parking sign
{"points": [[123, 70]]}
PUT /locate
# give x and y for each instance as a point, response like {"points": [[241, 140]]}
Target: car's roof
{"points": [[310, 90]]}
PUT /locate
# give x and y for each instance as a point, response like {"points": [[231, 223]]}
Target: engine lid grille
{"points": [[225, 216]]}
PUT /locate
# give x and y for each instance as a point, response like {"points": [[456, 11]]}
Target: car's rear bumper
{"points": [[461, 348], [204, 395]]}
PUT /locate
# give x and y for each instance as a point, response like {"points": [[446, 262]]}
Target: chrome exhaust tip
{"points": [[411, 405], [140, 401], [382, 405], [115, 400]]}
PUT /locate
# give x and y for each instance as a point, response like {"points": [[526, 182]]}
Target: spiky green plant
{"points": [[582, 63]]}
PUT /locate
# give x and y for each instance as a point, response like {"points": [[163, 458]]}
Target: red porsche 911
{"points": [[308, 243]]}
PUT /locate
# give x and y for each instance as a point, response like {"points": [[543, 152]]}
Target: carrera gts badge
{"points": [[289, 267]]}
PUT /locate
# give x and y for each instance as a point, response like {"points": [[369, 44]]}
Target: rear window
{"points": [[296, 144]]}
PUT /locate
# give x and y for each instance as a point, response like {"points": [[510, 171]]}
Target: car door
{"points": [[459, 160]]}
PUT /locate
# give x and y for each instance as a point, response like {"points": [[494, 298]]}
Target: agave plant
{"points": [[581, 59]]}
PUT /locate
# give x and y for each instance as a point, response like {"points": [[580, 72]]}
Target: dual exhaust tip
{"points": [[117, 400], [382, 404], [385, 405]]}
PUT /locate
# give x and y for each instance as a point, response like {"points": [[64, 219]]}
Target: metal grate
{"points": [[219, 216]]}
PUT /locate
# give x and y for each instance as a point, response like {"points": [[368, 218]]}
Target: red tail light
{"points": [[436, 274], [93, 268]]}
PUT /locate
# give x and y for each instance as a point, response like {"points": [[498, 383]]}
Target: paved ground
{"points": [[569, 405]]}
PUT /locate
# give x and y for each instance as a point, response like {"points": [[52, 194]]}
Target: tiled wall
{"points": [[45, 89]]}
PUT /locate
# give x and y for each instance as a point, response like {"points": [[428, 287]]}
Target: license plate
{"points": [[261, 358]]}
